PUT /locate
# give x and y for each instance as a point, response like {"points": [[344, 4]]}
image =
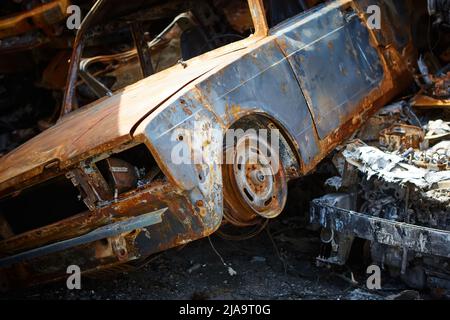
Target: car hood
{"points": [[99, 126]]}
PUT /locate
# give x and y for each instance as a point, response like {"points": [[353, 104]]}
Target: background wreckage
{"points": [[394, 193], [97, 188]]}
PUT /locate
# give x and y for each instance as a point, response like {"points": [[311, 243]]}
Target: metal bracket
{"points": [[398, 234]]}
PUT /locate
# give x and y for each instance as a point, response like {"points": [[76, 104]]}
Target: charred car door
{"points": [[332, 53]]}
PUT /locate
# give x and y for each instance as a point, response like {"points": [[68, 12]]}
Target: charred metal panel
{"points": [[384, 231], [179, 224], [187, 140], [111, 230], [262, 81], [332, 55]]}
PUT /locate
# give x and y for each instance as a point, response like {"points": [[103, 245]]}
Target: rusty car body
{"points": [[72, 196]]}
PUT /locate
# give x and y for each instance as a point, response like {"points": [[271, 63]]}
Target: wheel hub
{"points": [[254, 184]]}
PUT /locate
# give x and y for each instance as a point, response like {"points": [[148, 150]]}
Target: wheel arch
{"points": [[289, 149]]}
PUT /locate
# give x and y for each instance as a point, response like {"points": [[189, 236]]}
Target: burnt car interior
{"points": [[280, 10], [52, 201], [63, 197], [126, 48], [131, 42]]}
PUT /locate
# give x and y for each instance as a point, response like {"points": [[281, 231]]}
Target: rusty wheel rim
{"points": [[255, 186]]}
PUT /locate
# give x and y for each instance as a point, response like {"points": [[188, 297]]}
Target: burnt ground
{"points": [[196, 272], [279, 263]]}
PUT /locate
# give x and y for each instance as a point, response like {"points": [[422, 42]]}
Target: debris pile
{"points": [[394, 186]]}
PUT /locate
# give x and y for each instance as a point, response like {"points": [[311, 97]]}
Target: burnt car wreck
{"points": [[395, 195], [93, 182], [393, 189]]}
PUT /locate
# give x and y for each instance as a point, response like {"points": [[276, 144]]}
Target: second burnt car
{"points": [[101, 189]]}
